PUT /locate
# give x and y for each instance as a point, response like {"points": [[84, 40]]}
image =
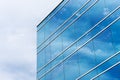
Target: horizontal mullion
{"points": [[69, 25], [43, 25], [118, 63], [80, 46], [79, 39], [59, 27], [103, 62]]}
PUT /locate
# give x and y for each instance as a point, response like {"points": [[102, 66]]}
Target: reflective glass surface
{"points": [[82, 37]]}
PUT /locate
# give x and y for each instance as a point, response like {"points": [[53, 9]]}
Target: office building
{"points": [[80, 40]]}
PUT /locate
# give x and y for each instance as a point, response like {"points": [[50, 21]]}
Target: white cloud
{"points": [[106, 11], [18, 20]]}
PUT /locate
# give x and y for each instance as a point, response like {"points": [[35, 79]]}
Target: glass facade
{"points": [[80, 40]]}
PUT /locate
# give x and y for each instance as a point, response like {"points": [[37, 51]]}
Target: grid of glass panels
{"points": [[80, 40]]}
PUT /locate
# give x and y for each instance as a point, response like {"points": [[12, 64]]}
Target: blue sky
{"points": [[103, 45], [18, 21]]}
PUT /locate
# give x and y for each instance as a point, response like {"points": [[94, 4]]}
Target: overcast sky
{"points": [[18, 20]]}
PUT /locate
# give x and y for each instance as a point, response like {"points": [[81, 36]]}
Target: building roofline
{"points": [[51, 12]]}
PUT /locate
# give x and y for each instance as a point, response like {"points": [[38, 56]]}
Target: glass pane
{"points": [[88, 56]]}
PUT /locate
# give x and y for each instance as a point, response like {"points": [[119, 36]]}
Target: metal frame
{"points": [[105, 70], [79, 48], [98, 65], [52, 15], [69, 25], [79, 39], [59, 27]]}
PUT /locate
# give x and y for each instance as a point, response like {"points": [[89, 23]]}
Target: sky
{"points": [[97, 50], [18, 21]]}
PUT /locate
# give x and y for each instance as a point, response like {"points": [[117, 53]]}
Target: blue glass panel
{"points": [[94, 52]]}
